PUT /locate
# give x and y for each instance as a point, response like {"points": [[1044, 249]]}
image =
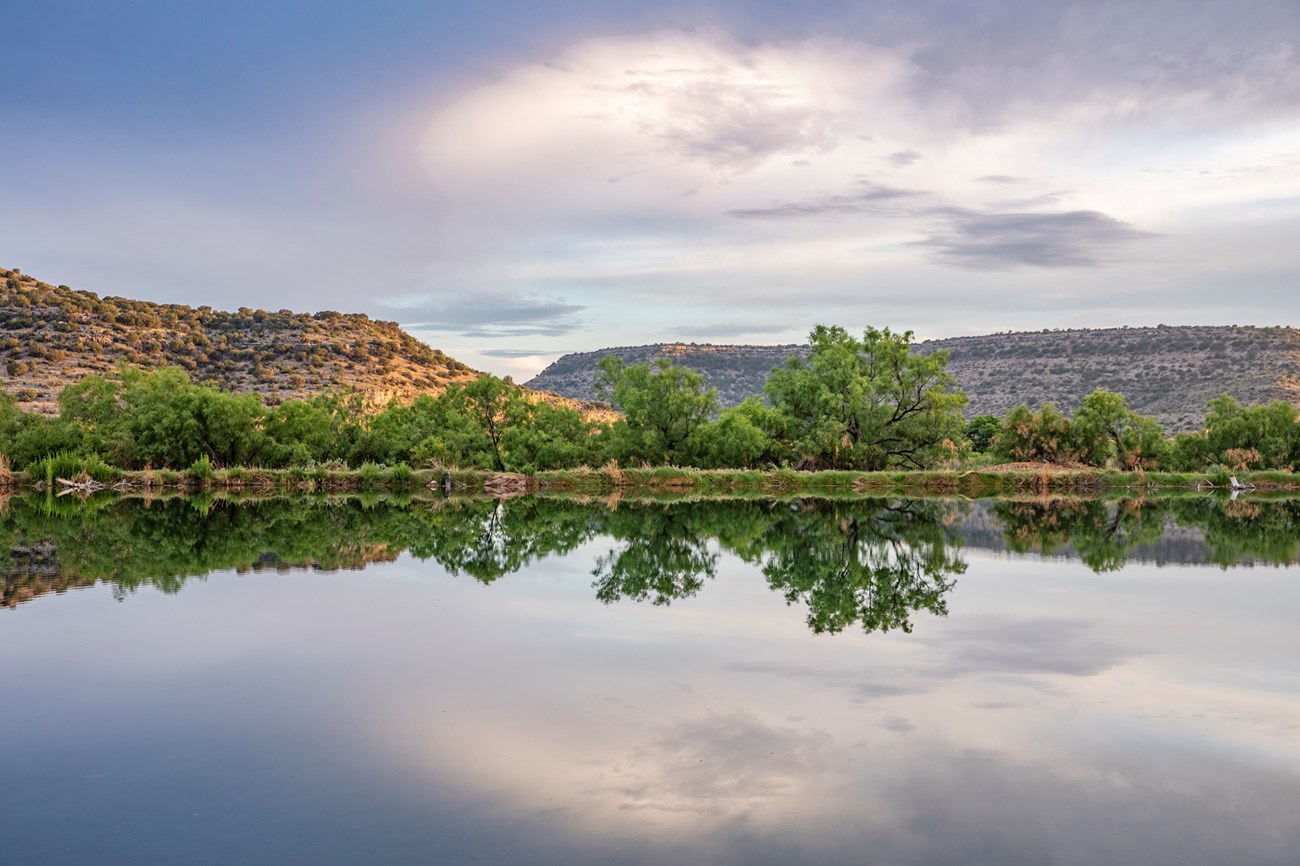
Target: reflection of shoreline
{"points": [[42, 577], [867, 561]]}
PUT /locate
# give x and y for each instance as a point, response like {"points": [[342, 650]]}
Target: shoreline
{"points": [[657, 482]]}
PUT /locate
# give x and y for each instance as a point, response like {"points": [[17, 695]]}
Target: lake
{"points": [[398, 681]]}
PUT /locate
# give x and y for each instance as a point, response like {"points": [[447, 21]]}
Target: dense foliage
{"points": [[1166, 372], [869, 563], [1106, 433], [869, 403]]}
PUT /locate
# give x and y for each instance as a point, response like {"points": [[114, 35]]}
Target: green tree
{"points": [[868, 404], [173, 422], [495, 406], [1045, 436], [1255, 437], [1106, 430], [555, 437], [662, 406], [981, 430], [747, 436], [310, 431]]}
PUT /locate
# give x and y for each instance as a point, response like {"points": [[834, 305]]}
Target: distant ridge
{"points": [[51, 336], [1166, 371]]}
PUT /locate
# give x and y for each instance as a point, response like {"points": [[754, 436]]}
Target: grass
{"points": [[655, 482]]}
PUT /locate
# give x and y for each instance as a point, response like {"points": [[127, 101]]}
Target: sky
{"points": [[512, 181]]}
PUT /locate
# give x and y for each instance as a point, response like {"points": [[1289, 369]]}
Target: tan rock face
{"points": [[51, 336]]}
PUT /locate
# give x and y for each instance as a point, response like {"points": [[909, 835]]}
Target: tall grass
{"points": [[67, 466]]}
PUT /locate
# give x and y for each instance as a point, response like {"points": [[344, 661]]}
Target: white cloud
{"points": [[838, 177]]}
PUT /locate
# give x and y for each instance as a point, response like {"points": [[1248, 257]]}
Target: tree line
{"points": [[867, 403]]}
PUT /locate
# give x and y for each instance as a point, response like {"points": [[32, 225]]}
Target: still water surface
{"points": [[875, 682]]}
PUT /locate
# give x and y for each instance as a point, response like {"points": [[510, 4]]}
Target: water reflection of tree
{"points": [[664, 555], [868, 562], [490, 539], [872, 562], [1245, 530], [1102, 533]]}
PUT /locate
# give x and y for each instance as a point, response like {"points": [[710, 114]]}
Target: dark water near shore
{"points": [[880, 681]]}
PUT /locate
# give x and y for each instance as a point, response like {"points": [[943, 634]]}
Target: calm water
{"points": [[536, 682]]}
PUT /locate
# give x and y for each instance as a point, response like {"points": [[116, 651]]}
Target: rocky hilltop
{"points": [[51, 336], [1169, 372]]}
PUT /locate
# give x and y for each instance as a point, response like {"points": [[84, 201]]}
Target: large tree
{"points": [[662, 406], [1106, 430], [868, 404]]}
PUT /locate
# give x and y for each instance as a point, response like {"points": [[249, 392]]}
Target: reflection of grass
{"points": [[970, 483], [670, 481]]}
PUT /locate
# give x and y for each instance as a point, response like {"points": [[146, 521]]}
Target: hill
{"points": [[1168, 372], [51, 336]]}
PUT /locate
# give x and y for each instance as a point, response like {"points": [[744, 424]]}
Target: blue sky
{"points": [[513, 181]]}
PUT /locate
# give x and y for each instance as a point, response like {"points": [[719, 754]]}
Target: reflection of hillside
{"points": [[1175, 532], [23, 579], [1177, 545], [32, 571]]}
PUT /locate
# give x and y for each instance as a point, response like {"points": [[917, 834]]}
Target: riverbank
{"points": [[669, 481]]}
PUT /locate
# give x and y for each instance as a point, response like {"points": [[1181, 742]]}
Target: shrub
{"points": [[401, 475], [201, 469], [370, 475]]}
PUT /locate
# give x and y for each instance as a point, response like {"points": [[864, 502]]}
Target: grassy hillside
{"points": [[1168, 372], [52, 335]]}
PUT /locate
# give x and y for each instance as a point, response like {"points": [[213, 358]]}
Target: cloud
{"points": [[833, 176], [987, 241], [512, 353], [993, 645], [494, 314], [663, 112], [729, 329], [860, 685], [873, 199], [1047, 199], [722, 763], [898, 725]]}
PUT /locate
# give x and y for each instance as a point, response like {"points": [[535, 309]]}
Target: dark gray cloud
{"points": [[496, 314], [873, 198], [992, 241]]}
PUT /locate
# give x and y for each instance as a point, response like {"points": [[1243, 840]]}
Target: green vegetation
{"points": [[873, 562], [1168, 373], [1106, 433], [868, 404], [851, 406]]}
